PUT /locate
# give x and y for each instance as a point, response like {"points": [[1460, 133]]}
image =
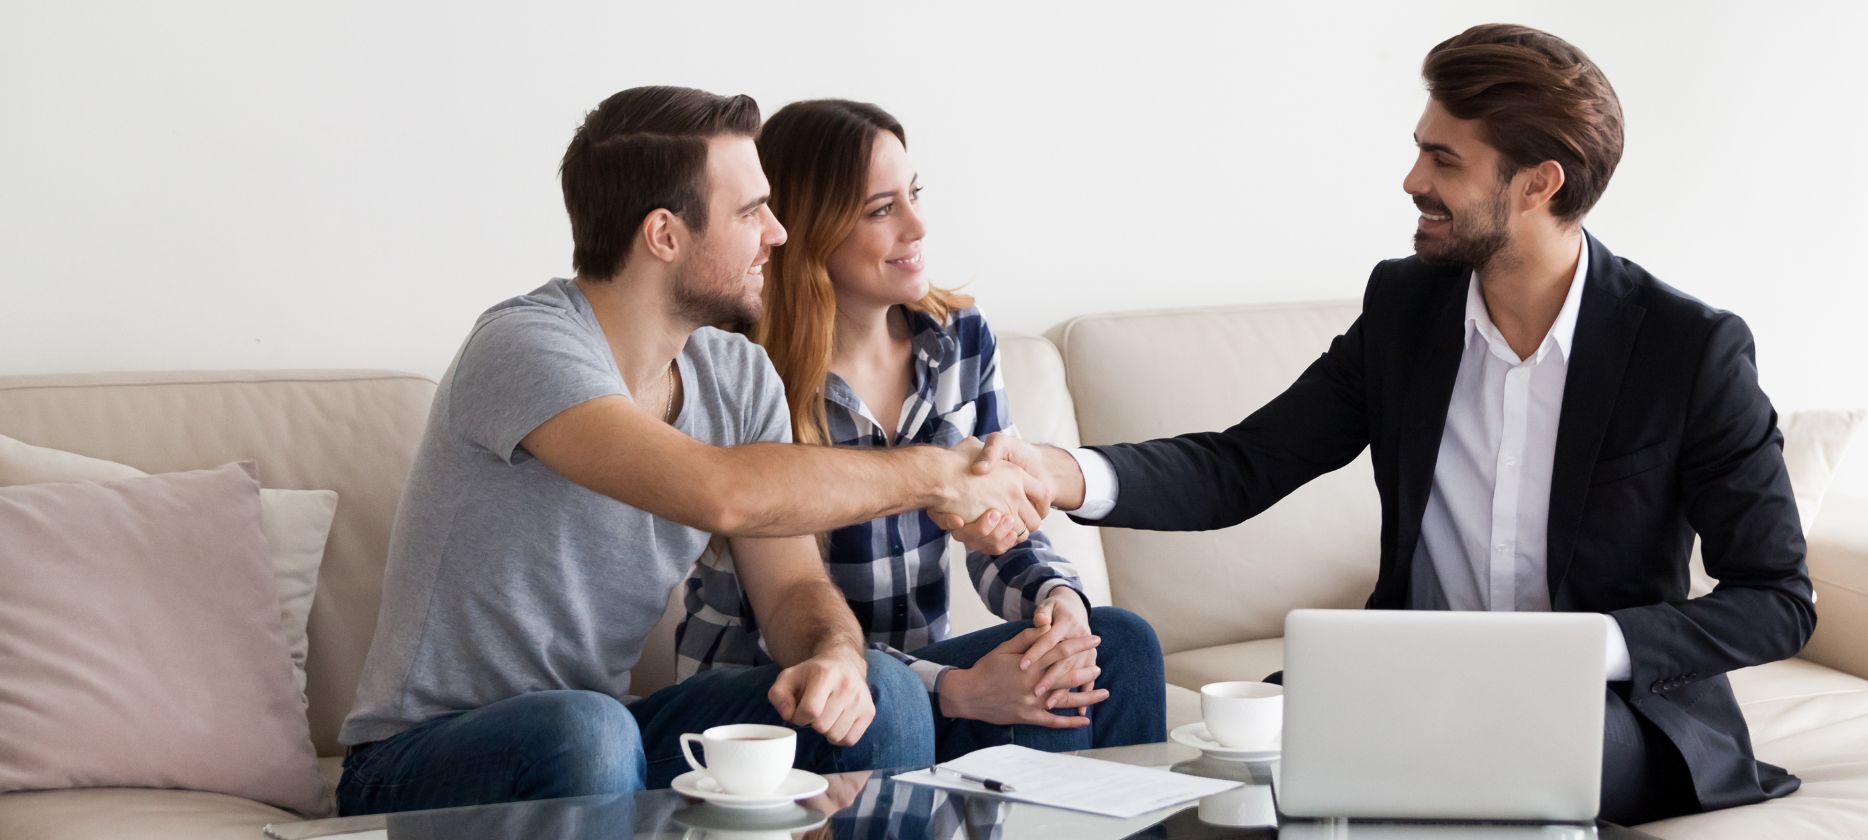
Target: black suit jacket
{"points": [[1664, 433]]}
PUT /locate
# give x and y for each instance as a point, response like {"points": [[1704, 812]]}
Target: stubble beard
{"points": [[713, 293], [1476, 238]]}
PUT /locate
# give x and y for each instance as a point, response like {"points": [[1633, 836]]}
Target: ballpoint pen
{"points": [[990, 784]]}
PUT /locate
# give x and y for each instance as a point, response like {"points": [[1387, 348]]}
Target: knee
{"points": [[1125, 635], [897, 690], [902, 732], [578, 743]]}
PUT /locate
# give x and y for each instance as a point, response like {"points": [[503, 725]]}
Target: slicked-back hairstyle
{"points": [[641, 150], [1538, 98]]}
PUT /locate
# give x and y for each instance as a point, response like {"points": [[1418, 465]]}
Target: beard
{"points": [[714, 293], [1475, 237]]}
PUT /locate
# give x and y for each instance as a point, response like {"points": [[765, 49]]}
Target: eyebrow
{"points": [[749, 206], [1435, 147], [912, 183]]}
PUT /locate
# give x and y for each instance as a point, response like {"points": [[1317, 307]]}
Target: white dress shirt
{"points": [[1484, 534]]}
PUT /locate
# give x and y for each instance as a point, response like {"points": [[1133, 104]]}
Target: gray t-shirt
{"points": [[504, 577]]}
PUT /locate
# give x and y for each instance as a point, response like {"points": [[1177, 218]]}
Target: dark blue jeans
{"points": [[551, 744], [1135, 713]]}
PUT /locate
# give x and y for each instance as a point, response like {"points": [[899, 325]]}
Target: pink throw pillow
{"points": [[140, 642]]}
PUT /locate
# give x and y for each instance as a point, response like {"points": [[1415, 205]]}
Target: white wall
{"points": [[347, 184]]}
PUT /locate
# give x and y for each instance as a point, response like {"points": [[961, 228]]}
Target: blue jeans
{"points": [[1135, 713], [550, 744]]}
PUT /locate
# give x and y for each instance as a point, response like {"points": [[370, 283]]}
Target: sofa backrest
{"points": [[1141, 375], [354, 432]]}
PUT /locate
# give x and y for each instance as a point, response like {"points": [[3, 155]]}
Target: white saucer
{"points": [[1195, 735], [798, 784], [787, 818]]}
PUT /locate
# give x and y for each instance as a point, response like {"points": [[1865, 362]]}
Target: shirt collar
{"points": [[934, 344], [935, 349], [1562, 332]]}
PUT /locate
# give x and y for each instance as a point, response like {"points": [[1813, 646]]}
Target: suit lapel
{"points": [[1423, 417], [1606, 327]]}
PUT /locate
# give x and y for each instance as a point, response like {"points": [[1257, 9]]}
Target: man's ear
{"points": [[1541, 183], [663, 235]]}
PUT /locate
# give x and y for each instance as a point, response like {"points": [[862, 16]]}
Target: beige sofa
{"points": [[1216, 599]]}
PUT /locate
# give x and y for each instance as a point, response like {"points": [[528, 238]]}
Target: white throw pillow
{"points": [[296, 524]]}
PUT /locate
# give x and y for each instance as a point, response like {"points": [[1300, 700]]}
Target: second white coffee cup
{"points": [[747, 759], [1243, 715]]}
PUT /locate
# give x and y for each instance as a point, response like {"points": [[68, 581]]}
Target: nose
{"points": [[914, 228], [1415, 183], [774, 232]]}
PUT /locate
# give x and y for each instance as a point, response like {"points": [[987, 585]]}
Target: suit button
{"points": [[1658, 686]]}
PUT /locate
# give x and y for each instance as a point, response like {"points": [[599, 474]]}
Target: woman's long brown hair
{"points": [[816, 157]]}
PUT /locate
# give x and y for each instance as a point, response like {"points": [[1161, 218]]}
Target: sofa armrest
{"points": [[1838, 563]]}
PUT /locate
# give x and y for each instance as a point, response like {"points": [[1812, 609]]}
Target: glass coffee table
{"points": [[871, 805]]}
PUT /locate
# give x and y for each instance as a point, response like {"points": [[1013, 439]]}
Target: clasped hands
{"points": [[999, 496], [1049, 665]]}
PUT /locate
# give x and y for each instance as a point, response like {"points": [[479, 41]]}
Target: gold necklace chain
{"points": [[668, 402]]}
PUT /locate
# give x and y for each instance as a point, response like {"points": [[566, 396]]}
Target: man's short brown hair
{"points": [[1539, 99], [641, 150]]}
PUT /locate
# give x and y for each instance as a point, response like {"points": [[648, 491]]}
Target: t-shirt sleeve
{"points": [[519, 369], [768, 416]]}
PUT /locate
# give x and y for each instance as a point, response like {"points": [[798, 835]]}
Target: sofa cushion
{"points": [[1814, 445], [140, 641], [353, 432], [294, 522], [1253, 660], [143, 814], [1814, 721]]}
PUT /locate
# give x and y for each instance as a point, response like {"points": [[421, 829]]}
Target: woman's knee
{"points": [[891, 681], [1125, 632]]}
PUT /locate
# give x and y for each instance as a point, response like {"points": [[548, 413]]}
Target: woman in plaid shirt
{"points": [[874, 356]]}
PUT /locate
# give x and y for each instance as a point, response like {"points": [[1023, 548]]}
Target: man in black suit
{"points": [[1550, 427]]}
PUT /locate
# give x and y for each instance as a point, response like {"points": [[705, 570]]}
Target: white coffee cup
{"points": [[747, 759], [1243, 715]]}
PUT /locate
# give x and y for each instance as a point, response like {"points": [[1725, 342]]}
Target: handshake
{"points": [[998, 490]]}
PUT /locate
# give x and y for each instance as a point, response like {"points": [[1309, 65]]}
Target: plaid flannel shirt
{"points": [[892, 570]]}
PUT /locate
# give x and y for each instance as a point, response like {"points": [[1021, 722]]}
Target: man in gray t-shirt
{"points": [[508, 579], [586, 444]]}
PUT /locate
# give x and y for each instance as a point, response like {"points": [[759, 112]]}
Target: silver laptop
{"points": [[1443, 715]]}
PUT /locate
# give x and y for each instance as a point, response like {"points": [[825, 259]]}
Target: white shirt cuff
{"points": [[1099, 484], [1621, 666]]}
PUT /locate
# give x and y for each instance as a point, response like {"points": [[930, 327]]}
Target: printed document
{"points": [[1071, 782]]}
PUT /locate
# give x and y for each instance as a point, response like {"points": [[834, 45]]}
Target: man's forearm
{"points": [[813, 620], [777, 490], [609, 446]]}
